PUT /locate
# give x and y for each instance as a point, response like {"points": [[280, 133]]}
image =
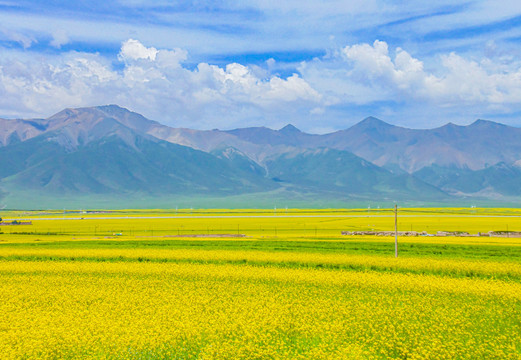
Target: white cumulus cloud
{"points": [[155, 83], [134, 50], [59, 38], [353, 81], [367, 73]]}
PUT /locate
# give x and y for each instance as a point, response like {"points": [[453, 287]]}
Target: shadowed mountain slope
{"points": [[110, 150], [476, 146], [343, 172], [120, 161], [12, 131], [497, 180]]}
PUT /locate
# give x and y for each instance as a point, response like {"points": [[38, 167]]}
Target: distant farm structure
{"points": [[15, 222], [515, 234]]}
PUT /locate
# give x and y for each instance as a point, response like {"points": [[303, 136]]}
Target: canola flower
{"points": [[449, 267], [210, 311], [72, 290], [261, 223]]}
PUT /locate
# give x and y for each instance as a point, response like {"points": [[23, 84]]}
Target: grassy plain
{"points": [[137, 284]]}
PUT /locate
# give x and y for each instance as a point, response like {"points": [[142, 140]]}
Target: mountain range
{"points": [[108, 152]]}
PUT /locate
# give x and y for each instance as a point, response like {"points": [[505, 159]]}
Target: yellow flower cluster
{"points": [[120, 310], [296, 224], [448, 267], [292, 288]]}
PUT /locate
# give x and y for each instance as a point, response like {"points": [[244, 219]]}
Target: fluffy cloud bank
{"points": [[158, 83], [365, 73], [151, 81]]}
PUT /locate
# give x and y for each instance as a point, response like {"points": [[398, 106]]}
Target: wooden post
{"points": [[395, 230]]}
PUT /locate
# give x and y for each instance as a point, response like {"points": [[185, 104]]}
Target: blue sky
{"points": [[220, 64]]}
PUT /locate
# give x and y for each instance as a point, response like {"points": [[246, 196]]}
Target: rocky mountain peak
{"points": [[289, 129]]}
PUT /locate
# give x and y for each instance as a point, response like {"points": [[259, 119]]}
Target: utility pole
{"points": [[395, 230]]}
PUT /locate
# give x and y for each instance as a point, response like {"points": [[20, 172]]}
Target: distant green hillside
{"points": [[501, 178], [111, 165], [340, 172]]}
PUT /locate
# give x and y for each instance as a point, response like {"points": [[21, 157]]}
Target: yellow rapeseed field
{"points": [[129, 310], [111, 287]]}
